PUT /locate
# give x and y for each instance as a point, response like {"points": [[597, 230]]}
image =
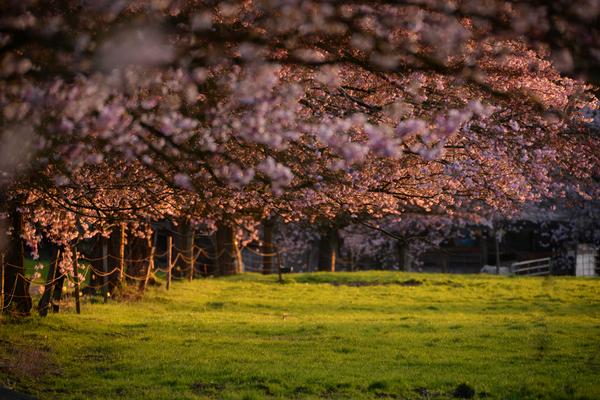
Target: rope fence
{"points": [[184, 261]]}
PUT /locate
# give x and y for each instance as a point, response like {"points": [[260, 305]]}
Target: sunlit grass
{"points": [[401, 336]]}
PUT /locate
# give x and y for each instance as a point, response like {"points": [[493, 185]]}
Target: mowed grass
{"points": [[326, 335]]}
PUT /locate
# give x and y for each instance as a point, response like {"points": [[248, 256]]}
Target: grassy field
{"points": [[336, 336]]}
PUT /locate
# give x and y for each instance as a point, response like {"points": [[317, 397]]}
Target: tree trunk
{"points": [[226, 249], [1, 288], [58, 286], [47, 296], [105, 272], [238, 256], [218, 246], [268, 248], [114, 261], [96, 278], [76, 279], [16, 287], [139, 253], [169, 261], [497, 236], [404, 264], [184, 261], [327, 249]]}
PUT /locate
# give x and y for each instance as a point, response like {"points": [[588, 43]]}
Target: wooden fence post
{"points": [[121, 253], [190, 241], [104, 273], [169, 264], [150, 268], [76, 279]]}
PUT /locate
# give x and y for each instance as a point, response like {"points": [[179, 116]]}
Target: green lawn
{"points": [[409, 336]]}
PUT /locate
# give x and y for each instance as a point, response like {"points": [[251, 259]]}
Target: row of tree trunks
{"points": [[16, 288], [228, 262], [133, 265], [328, 247]]}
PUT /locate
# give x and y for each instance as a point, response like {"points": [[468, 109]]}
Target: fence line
{"points": [[79, 273]]}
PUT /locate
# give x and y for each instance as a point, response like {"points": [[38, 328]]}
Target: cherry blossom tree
{"points": [[330, 113]]}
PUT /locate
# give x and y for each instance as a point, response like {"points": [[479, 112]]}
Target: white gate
{"points": [[538, 267]]}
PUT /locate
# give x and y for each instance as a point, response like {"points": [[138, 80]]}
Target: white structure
{"points": [[585, 260]]}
